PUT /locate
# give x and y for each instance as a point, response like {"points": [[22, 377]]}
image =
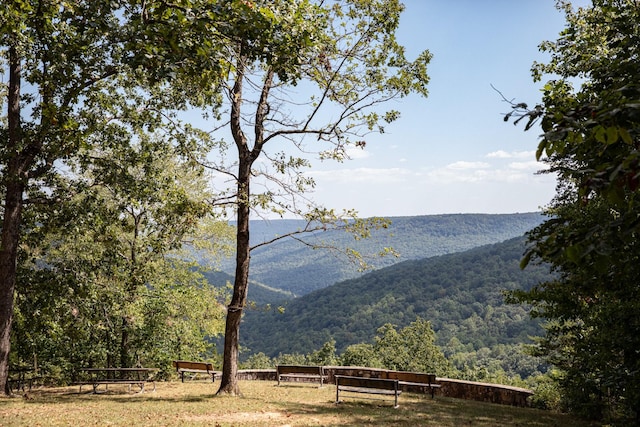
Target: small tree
{"points": [[413, 348], [258, 361], [325, 355], [129, 297], [362, 354]]}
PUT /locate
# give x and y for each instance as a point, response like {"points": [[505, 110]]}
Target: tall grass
{"points": [[263, 404]]}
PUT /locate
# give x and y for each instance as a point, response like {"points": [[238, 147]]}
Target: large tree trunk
{"points": [[15, 185], [8, 256], [229, 381]]}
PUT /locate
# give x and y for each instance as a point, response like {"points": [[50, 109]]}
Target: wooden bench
{"points": [[313, 373], [380, 386], [418, 379], [108, 376], [184, 366], [22, 378]]}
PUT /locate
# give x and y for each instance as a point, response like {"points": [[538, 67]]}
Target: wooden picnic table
{"points": [[22, 378], [106, 376]]}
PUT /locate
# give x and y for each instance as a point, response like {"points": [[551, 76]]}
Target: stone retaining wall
{"points": [[470, 390], [257, 374], [484, 392]]}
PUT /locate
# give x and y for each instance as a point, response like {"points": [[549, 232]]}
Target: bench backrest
{"points": [[381, 383], [184, 364], [412, 377], [294, 369]]}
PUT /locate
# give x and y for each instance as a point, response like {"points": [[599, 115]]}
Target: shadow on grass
{"points": [[120, 395], [297, 406], [424, 411]]}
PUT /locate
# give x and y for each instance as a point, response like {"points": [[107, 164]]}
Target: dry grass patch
{"points": [[263, 404]]}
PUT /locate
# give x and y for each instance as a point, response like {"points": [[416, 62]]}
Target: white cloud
{"points": [[532, 165], [363, 175], [357, 153], [499, 182], [501, 154], [461, 165], [461, 171]]}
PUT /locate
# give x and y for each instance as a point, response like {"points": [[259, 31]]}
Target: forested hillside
{"points": [[291, 266], [260, 293], [461, 294]]}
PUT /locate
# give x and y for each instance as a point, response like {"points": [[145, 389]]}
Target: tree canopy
{"points": [[590, 118], [80, 86], [305, 79], [95, 93]]}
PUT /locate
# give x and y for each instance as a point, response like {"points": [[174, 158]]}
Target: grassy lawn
{"points": [[263, 404]]}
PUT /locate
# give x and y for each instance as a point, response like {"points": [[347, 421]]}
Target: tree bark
{"points": [[246, 157], [15, 186], [229, 381]]}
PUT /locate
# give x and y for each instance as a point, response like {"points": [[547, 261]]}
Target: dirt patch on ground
{"points": [[241, 417]]}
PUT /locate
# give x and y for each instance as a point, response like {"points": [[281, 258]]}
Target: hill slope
{"points": [[461, 294], [293, 267], [260, 294]]}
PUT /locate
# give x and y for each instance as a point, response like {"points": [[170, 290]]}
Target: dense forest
{"points": [[461, 295], [293, 267]]}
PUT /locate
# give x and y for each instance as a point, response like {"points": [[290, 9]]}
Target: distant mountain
{"points": [[297, 269], [461, 294], [260, 294]]}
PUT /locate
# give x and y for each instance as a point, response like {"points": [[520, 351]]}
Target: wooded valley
{"points": [[290, 268], [460, 292], [461, 295]]}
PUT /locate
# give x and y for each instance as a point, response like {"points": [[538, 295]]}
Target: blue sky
{"points": [[452, 152]]}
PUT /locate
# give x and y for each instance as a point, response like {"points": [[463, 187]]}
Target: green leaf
{"points": [[600, 134], [626, 137], [612, 135]]}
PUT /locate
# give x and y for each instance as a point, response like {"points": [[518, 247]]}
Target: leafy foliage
{"points": [[412, 348], [591, 139], [49, 49], [127, 296], [461, 295]]}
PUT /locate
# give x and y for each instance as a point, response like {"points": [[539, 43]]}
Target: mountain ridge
{"points": [[292, 267]]}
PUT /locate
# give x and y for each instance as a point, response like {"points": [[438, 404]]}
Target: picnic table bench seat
{"points": [[96, 377], [22, 378]]}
